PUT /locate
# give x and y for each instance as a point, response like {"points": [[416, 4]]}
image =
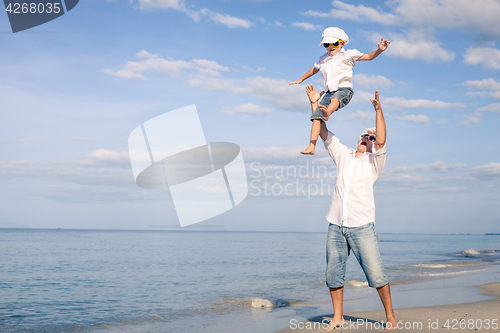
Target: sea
{"points": [[106, 281]]}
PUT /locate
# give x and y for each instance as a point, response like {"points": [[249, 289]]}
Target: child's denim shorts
{"points": [[344, 96], [363, 241]]}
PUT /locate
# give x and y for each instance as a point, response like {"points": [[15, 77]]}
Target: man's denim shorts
{"points": [[363, 241], [344, 96]]}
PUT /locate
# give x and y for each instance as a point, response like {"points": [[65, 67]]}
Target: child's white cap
{"points": [[333, 34]]}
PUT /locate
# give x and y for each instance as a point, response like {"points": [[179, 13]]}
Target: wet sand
{"points": [[483, 316]]}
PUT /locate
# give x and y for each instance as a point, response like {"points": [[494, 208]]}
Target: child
{"points": [[336, 69]]}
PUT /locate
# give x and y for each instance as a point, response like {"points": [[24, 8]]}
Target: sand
{"points": [[483, 316]]}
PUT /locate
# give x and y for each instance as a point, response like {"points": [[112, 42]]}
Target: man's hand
{"points": [[376, 102], [383, 45], [313, 95], [295, 82], [379, 122]]}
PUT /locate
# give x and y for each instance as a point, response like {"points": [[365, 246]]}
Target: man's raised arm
{"points": [[379, 122]]}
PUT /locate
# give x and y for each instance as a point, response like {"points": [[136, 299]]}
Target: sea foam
{"points": [[357, 284], [261, 303]]}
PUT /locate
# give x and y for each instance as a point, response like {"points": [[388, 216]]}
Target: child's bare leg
{"points": [[315, 129], [314, 97], [334, 105]]}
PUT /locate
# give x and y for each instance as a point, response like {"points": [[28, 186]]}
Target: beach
{"points": [[102, 281], [480, 316]]}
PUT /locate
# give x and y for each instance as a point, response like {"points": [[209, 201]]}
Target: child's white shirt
{"points": [[337, 69]]}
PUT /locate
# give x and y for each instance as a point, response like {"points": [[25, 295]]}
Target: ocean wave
{"points": [[261, 303], [444, 265], [474, 253], [252, 302], [460, 272], [471, 251], [432, 265], [357, 284]]}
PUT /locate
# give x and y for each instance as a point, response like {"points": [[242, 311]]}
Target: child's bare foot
{"points": [[313, 95], [326, 115], [311, 150], [335, 323], [325, 112]]}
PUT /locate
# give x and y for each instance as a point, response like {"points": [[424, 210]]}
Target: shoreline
{"points": [[474, 316], [427, 304]]}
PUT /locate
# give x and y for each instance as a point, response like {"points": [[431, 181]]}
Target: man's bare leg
{"points": [[334, 105], [385, 296], [337, 295], [314, 97]]}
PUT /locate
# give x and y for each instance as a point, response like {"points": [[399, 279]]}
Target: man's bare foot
{"points": [[311, 150], [391, 324], [335, 323], [313, 95]]}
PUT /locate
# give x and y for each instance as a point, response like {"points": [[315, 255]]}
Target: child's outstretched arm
{"points": [[382, 46], [307, 75]]}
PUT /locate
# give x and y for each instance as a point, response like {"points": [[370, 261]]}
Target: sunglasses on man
{"points": [[336, 44], [371, 137]]}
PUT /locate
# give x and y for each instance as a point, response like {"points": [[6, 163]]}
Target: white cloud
{"points": [[489, 87], [249, 69], [488, 170], [486, 56], [100, 166], [307, 26], [421, 118], [225, 19], [218, 84], [362, 97], [163, 4], [399, 102], [248, 109], [481, 16], [105, 155], [291, 98], [442, 121], [357, 13], [486, 84], [209, 67], [279, 94], [179, 5], [471, 121], [415, 44], [155, 63], [125, 74], [367, 117], [438, 166], [492, 108], [373, 81]]}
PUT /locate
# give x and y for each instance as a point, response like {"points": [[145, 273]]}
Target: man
{"points": [[352, 211]]}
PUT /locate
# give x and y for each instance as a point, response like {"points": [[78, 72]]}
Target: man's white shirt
{"points": [[352, 203]]}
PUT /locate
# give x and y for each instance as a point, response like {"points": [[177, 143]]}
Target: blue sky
{"points": [[73, 89]]}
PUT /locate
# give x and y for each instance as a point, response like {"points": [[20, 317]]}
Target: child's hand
{"points": [[383, 45], [295, 82]]}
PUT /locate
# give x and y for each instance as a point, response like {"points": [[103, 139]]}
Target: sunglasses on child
{"points": [[371, 137], [336, 44]]}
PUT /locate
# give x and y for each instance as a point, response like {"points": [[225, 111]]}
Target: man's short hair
{"points": [[370, 130]]}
